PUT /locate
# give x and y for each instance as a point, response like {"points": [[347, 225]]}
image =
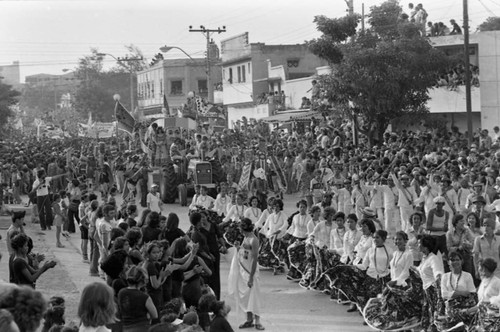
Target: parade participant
{"points": [[485, 313], [265, 213], [431, 271], [317, 246], [437, 225], [253, 212], [237, 211], [244, 278], [458, 292], [400, 306], [376, 263], [272, 252], [197, 190], [203, 200], [298, 228], [259, 187], [351, 239], [222, 201], [41, 187], [153, 199]]}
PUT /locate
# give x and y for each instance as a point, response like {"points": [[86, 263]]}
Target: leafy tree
{"points": [[8, 98], [378, 75], [97, 87], [491, 24]]}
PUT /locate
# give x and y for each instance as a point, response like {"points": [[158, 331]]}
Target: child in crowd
{"points": [[58, 218]]}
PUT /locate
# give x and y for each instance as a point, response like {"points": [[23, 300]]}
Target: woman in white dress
{"points": [[244, 279], [272, 253], [253, 212], [399, 307], [237, 211]]}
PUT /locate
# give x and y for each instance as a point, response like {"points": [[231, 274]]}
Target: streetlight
{"points": [[120, 61], [166, 48]]}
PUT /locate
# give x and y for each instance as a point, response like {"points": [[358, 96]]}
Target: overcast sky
{"points": [[49, 36]]}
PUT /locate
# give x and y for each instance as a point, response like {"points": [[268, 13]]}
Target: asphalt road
{"points": [[286, 306]]}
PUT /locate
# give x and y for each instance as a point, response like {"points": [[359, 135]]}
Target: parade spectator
{"points": [[26, 306], [97, 308], [456, 28]]}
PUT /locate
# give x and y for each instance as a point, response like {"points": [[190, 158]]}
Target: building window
{"points": [[249, 68], [202, 87], [243, 74], [230, 80], [176, 87], [161, 87], [239, 73]]}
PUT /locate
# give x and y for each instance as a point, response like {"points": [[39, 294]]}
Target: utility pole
{"points": [[467, 73], [350, 11], [363, 17], [207, 33]]}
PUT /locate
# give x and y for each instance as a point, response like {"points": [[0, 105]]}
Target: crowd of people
{"points": [[429, 192]]}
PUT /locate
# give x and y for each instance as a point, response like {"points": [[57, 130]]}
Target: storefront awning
{"points": [[292, 116]]}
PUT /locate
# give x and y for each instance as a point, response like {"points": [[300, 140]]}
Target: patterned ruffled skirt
{"points": [[399, 308]]}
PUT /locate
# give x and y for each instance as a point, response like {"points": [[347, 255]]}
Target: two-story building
{"points": [[174, 78], [245, 74]]}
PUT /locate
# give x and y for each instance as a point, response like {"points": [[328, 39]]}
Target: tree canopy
{"points": [[491, 24], [8, 98], [380, 74]]}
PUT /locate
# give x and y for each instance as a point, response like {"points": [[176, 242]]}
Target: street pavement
{"points": [[286, 307]]}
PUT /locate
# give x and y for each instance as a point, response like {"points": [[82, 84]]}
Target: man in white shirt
{"points": [[406, 199], [153, 199], [41, 186]]}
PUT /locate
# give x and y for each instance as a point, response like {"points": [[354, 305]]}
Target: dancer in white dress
{"points": [[244, 279]]}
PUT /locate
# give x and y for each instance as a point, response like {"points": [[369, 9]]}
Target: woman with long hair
{"points": [[97, 308], [23, 273], [244, 277], [136, 307], [172, 230]]}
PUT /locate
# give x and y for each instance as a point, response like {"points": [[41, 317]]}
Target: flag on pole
{"points": [[165, 109], [124, 120]]}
